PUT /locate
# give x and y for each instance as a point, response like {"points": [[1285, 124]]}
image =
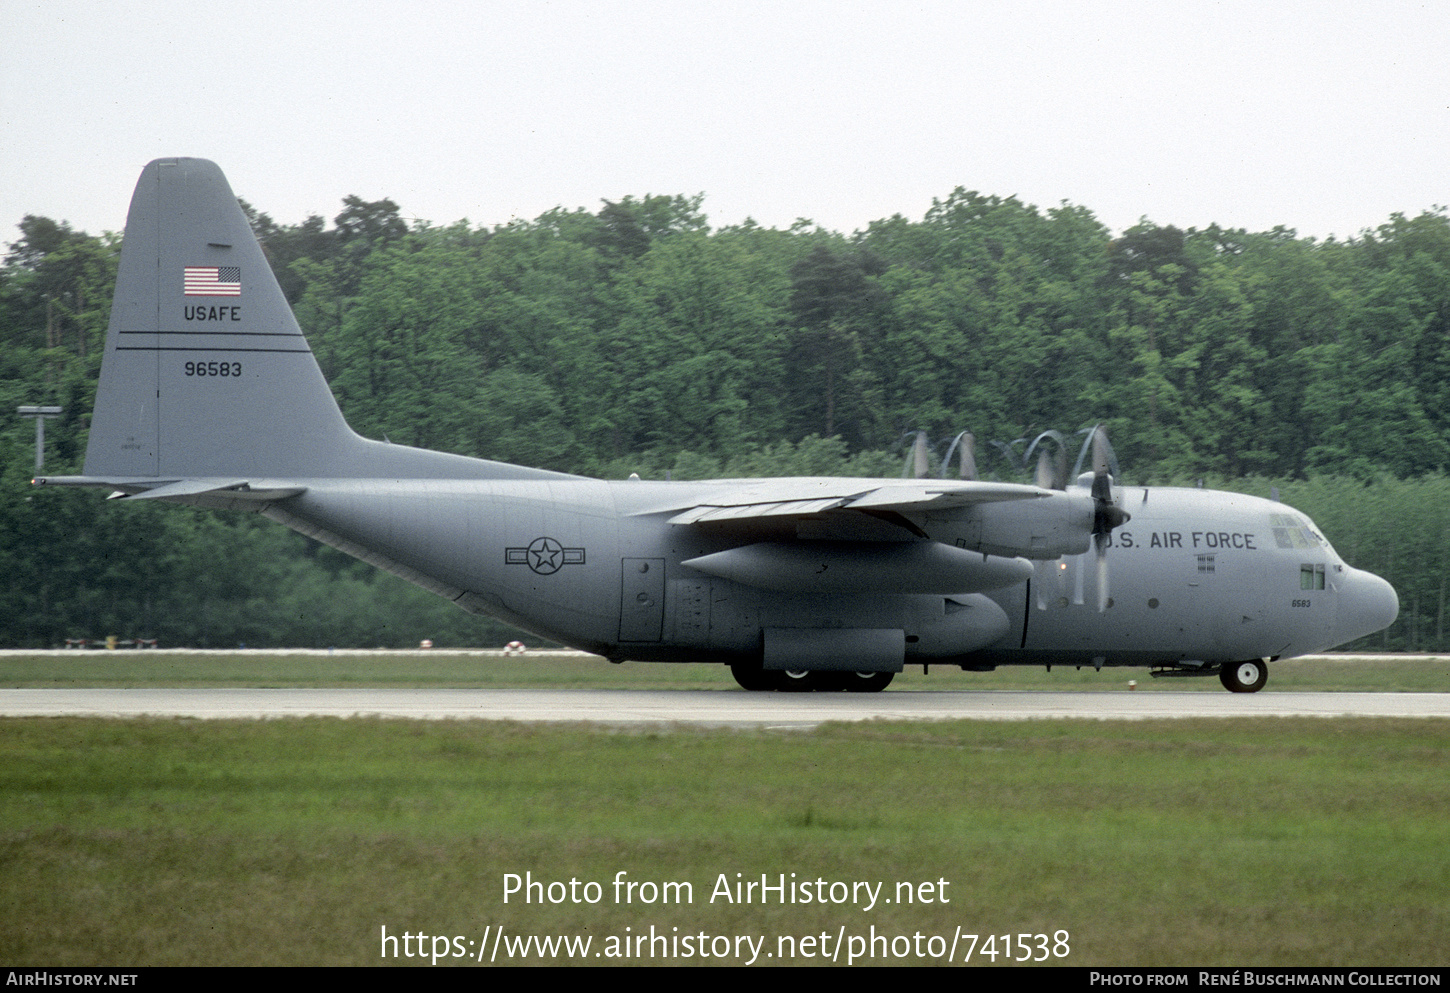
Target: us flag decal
{"points": [[212, 281]]}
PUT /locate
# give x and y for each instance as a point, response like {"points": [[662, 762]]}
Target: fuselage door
{"points": [[642, 599]]}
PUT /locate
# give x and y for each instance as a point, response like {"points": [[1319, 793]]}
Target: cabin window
{"points": [[1311, 577]]}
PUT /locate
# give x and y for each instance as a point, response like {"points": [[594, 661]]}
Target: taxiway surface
{"points": [[704, 707]]}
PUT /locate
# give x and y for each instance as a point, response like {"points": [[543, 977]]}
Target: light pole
{"points": [[40, 414]]}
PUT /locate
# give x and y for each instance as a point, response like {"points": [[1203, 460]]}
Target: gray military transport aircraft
{"points": [[209, 395]]}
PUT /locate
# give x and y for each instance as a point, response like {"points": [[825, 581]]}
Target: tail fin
{"points": [[206, 373]]}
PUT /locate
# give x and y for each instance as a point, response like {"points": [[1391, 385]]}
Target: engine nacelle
{"points": [[1046, 528], [862, 567]]}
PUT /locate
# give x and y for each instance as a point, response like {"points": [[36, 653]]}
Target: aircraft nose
{"points": [[1367, 604]]}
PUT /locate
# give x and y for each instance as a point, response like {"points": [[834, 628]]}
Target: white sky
{"points": [[1325, 117]]}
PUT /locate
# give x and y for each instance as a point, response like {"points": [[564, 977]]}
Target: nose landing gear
{"points": [[1244, 677]]}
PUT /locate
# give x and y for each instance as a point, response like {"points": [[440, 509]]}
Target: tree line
{"points": [[637, 338]]}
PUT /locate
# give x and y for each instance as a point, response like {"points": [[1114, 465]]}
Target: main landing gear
{"points": [[752, 677], [1244, 677]]}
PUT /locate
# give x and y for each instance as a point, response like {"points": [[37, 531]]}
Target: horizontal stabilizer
{"points": [[241, 490], [133, 488]]}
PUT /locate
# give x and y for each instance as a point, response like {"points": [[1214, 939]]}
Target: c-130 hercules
{"points": [[209, 395]]}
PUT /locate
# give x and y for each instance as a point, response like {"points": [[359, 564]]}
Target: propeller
{"points": [[1051, 469], [968, 445], [1051, 473], [1106, 514]]}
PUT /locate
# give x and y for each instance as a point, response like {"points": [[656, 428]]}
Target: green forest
{"points": [[637, 338]]}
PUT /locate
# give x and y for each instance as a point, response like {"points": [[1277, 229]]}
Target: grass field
{"points": [[1245, 842], [1192, 842]]}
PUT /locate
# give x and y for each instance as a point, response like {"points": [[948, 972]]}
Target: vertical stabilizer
{"points": [[206, 372]]}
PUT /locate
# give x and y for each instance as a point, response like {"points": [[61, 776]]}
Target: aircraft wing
{"points": [[805, 497]]}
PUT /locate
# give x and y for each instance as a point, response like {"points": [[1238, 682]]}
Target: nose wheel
{"points": [[1244, 677]]}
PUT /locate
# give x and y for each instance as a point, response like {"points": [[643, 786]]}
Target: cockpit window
{"points": [[1294, 532], [1311, 576]]}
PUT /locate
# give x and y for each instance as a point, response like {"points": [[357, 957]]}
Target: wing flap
{"points": [[942, 495], [706, 512], [808, 497]]}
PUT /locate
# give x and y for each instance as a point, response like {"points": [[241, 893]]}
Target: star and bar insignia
{"points": [[545, 556]]}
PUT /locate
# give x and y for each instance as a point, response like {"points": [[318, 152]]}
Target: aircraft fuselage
{"points": [[1197, 576]]}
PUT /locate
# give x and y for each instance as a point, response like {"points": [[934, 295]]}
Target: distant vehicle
{"points": [[209, 395]]}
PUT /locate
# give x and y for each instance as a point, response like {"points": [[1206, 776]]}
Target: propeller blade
{"points": [[1107, 515], [919, 460], [1101, 542], [969, 456]]}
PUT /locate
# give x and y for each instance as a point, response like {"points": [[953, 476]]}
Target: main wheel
{"points": [[1244, 677], [797, 680], [868, 682], [752, 677]]}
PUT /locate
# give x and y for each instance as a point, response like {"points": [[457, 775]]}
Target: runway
{"points": [[718, 708]]}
